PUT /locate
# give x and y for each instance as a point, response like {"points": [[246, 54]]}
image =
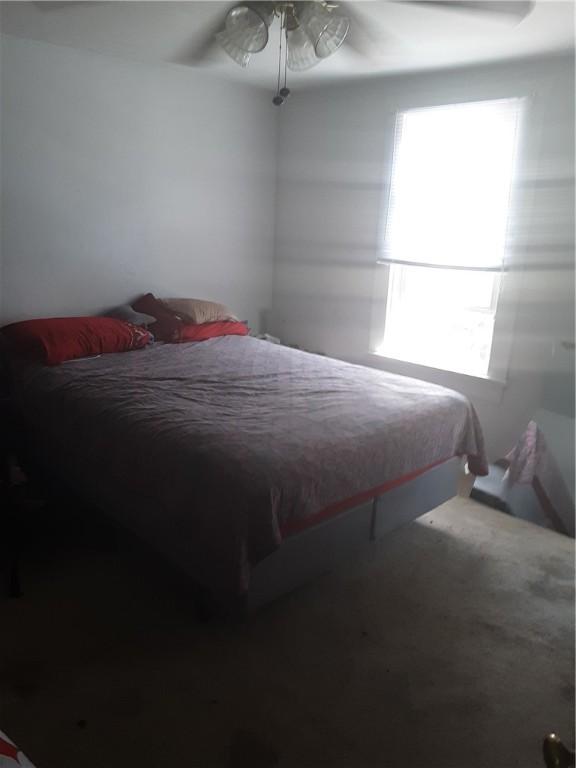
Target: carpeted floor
{"points": [[451, 648]]}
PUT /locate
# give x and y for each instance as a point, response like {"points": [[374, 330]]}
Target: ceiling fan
{"points": [[312, 30]]}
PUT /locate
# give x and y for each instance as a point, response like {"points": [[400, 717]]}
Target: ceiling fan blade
{"points": [[515, 9], [57, 6], [196, 54], [363, 37]]}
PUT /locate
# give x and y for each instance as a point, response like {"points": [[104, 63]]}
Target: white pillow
{"points": [[199, 310]]}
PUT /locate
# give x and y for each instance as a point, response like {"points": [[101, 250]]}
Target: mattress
{"points": [[214, 451]]}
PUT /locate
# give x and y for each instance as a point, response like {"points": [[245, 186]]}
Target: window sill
{"points": [[475, 387]]}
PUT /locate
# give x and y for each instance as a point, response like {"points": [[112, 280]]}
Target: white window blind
{"points": [[445, 233], [451, 184]]}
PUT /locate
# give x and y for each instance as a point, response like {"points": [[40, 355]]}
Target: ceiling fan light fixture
{"points": [[309, 31], [301, 55], [326, 28], [247, 26], [236, 54]]}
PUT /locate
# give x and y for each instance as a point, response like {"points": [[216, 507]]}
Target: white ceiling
{"points": [[401, 37]]}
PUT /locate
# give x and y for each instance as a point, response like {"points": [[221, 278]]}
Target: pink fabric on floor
{"points": [[531, 461]]}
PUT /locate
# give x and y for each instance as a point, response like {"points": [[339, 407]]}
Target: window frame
{"points": [[493, 384], [395, 277]]}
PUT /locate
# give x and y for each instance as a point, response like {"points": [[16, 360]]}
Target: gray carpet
{"points": [[451, 648]]}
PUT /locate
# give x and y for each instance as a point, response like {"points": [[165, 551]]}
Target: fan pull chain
{"points": [[282, 93], [285, 91], [278, 100]]}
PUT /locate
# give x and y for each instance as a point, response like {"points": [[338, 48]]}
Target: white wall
{"points": [[119, 178], [335, 158]]}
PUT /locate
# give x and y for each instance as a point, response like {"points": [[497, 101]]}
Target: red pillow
{"points": [[56, 339], [168, 324], [203, 331]]}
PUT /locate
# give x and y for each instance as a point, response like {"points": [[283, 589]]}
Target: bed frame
{"points": [[304, 556]]}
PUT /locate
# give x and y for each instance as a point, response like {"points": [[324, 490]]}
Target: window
{"points": [[445, 235]]}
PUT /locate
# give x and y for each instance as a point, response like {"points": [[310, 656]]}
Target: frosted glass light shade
{"points": [[247, 27], [237, 54], [326, 29], [301, 55]]}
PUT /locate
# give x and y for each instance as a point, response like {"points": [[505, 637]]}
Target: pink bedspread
{"points": [[209, 449]]}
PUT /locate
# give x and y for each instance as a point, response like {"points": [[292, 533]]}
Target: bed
{"points": [[252, 466]]}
